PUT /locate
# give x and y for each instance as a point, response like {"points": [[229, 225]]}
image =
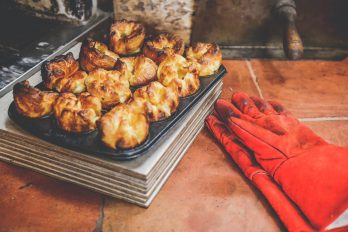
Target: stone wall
{"points": [[165, 15], [241, 22]]}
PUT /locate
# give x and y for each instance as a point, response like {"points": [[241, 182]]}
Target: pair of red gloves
{"points": [[304, 178]]}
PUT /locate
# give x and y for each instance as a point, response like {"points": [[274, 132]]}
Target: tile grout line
{"points": [[319, 119], [100, 219], [254, 77], [315, 119]]}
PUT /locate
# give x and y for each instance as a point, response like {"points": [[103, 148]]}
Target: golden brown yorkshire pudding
{"points": [[208, 55], [111, 87], [94, 54], [163, 45], [62, 74], [161, 102], [31, 102], [124, 127], [72, 84], [176, 70], [140, 70], [77, 114], [126, 37]]}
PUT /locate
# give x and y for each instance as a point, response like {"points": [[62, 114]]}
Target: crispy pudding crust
{"points": [[94, 54], [140, 70], [62, 74], [77, 113], [125, 126], [176, 70], [208, 55], [160, 101], [126, 37], [32, 102], [111, 87], [163, 45], [73, 84]]}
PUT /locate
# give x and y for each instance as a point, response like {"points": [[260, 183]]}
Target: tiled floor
{"points": [[206, 192], [307, 88], [33, 202]]}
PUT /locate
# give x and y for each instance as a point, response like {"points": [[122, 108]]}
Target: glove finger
{"points": [[263, 105], [263, 142], [226, 109], [279, 108], [216, 114], [244, 103], [240, 155], [218, 128]]}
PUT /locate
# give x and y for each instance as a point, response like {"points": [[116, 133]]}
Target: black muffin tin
{"points": [[47, 129]]}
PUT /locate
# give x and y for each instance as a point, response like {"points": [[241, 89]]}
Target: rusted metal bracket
{"points": [[292, 43]]}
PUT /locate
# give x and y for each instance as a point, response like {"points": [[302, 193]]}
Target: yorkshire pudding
{"points": [[208, 55], [126, 37], [77, 114], [161, 102], [111, 87], [141, 70], [176, 70], [124, 127], [73, 84], [62, 74], [94, 54], [31, 102], [163, 45]]}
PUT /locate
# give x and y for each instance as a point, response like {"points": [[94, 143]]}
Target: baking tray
{"points": [[47, 129]]}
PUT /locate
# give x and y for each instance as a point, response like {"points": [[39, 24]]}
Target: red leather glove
{"points": [[311, 172], [287, 212]]}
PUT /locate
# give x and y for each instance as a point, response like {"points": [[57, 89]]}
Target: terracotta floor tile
{"points": [[307, 88], [237, 79], [33, 202], [206, 192], [335, 132]]}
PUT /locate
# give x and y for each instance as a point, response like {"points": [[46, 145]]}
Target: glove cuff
{"points": [[317, 182]]}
